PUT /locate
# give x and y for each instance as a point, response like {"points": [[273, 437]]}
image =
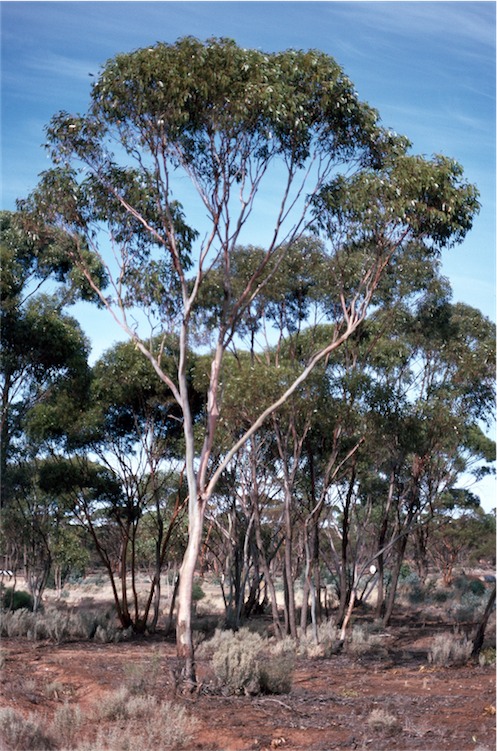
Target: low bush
{"points": [[145, 724], [17, 623], [245, 663], [328, 642], [66, 725], [114, 705], [58, 625], [487, 656], [364, 640], [141, 677], [237, 662], [450, 649], [20, 733], [382, 721]]}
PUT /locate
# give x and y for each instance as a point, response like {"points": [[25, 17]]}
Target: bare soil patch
{"points": [[437, 709]]}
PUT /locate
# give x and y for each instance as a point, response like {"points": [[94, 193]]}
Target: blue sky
{"points": [[428, 67]]}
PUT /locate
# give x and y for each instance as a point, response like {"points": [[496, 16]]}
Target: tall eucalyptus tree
{"points": [[238, 125]]}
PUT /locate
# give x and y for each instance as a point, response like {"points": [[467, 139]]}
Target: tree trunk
{"points": [[480, 631], [392, 591], [290, 614], [184, 636], [344, 584], [380, 560]]}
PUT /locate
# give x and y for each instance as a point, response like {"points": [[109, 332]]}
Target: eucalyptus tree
{"points": [[131, 425], [134, 428], [42, 346], [433, 389], [234, 123]]}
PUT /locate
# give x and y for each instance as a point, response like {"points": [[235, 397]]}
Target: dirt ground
{"points": [[439, 709]]}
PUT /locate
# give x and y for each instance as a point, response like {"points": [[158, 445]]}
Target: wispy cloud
{"points": [[470, 21]]}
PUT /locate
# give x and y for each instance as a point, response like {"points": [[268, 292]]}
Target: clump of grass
{"points": [[450, 649], [19, 733], [382, 721], [54, 690]]}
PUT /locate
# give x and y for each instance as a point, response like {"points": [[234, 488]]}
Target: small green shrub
{"points": [[441, 595], [416, 594], [17, 599], [450, 649], [197, 592], [19, 733]]}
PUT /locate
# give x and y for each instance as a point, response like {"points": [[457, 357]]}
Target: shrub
{"points": [[487, 656], [416, 594], [113, 705], [142, 676], [381, 721], [169, 726], [19, 733], [197, 592], [17, 623], [66, 725], [244, 663], [17, 599], [450, 649], [276, 673], [53, 690], [363, 641], [328, 640], [237, 662]]}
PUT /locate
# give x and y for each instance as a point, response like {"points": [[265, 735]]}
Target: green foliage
{"points": [[17, 599], [197, 592]]}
